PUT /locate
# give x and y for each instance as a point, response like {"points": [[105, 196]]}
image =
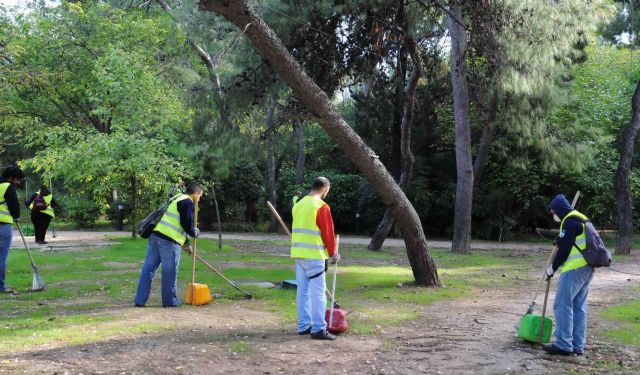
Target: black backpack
{"points": [[148, 224], [596, 254]]}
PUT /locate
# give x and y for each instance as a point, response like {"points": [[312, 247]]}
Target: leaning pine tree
{"points": [[318, 103]]}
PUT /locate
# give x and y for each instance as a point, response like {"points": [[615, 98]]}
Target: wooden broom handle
{"points": [[275, 213]]}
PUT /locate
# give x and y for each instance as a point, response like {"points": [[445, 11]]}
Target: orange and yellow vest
{"points": [[306, 239]]}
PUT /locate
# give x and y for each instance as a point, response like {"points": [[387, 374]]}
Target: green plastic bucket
{"points": [[530, 328]]}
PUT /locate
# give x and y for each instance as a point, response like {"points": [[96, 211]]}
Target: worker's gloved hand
{"points": [[550, 272], [196, 231], [186, 247], [335, 258]]}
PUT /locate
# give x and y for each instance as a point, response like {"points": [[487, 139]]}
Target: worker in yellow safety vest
{"points": [[164, 245], [312, 242], [41, 205], [570, 304], [9, 212]]}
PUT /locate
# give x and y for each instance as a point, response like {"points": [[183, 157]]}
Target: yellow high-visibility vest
{"points": [[5, 215], [47, 200], [575, 259], [306, 239], [169, 224]]}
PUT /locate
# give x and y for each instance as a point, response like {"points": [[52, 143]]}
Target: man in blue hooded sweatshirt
{"points": [[570, 305]]}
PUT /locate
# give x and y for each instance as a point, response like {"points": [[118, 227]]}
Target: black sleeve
{"points": [[185, 208], [30, 200], [572, 228], [11, 198]]}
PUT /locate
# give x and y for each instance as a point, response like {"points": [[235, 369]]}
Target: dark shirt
{"points": [[28, 202], [11, 198], [185, 209]]}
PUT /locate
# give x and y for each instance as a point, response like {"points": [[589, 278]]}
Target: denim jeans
{"points": [[165, 252], [311, 300], [5, 244], [570, 309]]}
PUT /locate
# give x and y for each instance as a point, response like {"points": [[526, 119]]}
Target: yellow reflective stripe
{"points": [[573, 257], [171, 214], [306, 231], [307, 246]]}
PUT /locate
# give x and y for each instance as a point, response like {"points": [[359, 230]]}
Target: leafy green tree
{"points": [[91, 79]]}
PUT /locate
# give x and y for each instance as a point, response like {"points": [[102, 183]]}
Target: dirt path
{"points": [[470, 336], [84, 238]]}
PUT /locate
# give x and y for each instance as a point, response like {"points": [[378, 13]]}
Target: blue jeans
{"points": [[165, 252], [570, 309], [5, 244], [311, 300]]}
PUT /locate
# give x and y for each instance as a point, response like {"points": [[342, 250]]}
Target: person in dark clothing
{"points": [[41, 218], [570, 304], [9, 212], [164, 244]]}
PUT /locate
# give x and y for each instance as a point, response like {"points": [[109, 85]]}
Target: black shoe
{"points": [[305, 332], [323, 335], [578, 353], [554, 350], [138, 305]]}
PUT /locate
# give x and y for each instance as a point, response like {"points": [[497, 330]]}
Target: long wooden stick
{"points": [[277, 216], [247, 295], [193, 252]]}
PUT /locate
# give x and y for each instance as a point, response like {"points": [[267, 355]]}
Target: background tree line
{"points": [[117, 100]]}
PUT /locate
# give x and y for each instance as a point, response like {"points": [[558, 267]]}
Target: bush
{"points": [[344, 197], [82, 211]]}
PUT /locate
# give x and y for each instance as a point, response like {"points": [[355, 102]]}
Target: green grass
{"points": [[84, 285], [628, 316]]}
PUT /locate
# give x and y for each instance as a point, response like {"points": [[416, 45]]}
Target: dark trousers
{"points": [[40, 224]]}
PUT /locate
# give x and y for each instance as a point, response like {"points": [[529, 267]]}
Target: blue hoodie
{"points": [[571, 229]]}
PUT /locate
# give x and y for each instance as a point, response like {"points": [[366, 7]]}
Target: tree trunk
{"points": [[396, 121], [408, 100], [299, 130], [215, 204], [214, 78], [488, 132], [621, 183], [132, 219], [271, 157], [318, 103], [464, 166]]}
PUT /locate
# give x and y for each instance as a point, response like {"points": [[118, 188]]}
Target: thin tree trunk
{"points": [[396, 120], [271, 157], [301, 156], [621, 183], [214, 78], [409, 93], [134, 192], [464, 166], [318, 103], [488, 132], [215, 204]]}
